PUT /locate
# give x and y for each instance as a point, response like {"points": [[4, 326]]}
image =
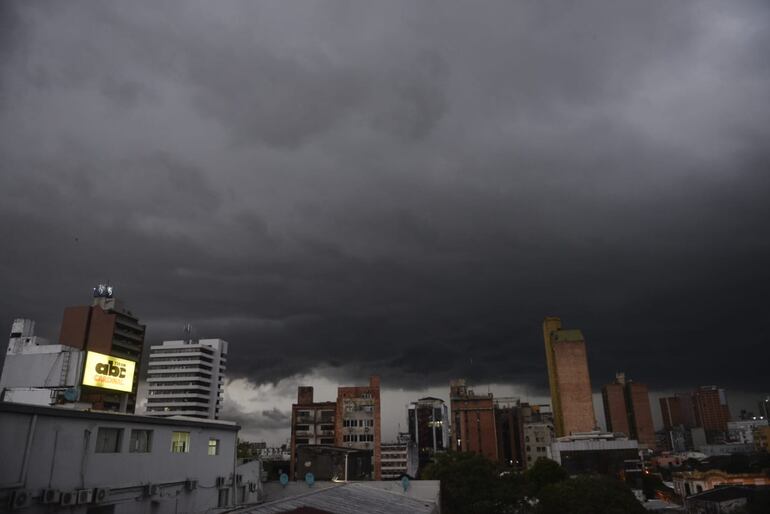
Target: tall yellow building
{"points": [[571, 400]]}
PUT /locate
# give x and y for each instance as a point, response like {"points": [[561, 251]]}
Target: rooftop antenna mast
{"points": [[188, 333]]}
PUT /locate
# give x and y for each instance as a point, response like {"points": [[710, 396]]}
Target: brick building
{"points": [[711, 412], [106, 327], [312, 423], [568, 377], [358, 420], [677, 411], [627, 410], [473, 428]]}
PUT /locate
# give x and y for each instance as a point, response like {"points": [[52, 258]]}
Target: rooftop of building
{"points": [[63, 412], [721, 494], [572, 334], [379, 497]]}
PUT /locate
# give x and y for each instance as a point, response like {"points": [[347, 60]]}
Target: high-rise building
{"points": [[186, 378], [627, 410], [568, 377], [358, 420], [615, 410], [473, 427], [105, 327], [677, 411], [312, 423], [508, 432], [711, 412], [428, 420]]}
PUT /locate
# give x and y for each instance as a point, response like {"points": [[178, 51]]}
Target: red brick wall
{"points": [[101, 331], [615, 411], [639, 398], [574, 385], [74, 326], [477, 426]]}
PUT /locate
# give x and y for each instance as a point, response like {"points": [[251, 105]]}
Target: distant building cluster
{"points": [[80, 396]]}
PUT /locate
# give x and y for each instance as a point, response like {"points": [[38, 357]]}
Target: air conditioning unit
{"points": [[101, 494], [85, 496], [20, 498], [69, 498], [191, 485], [152, 489], [220, 481], [51, 496]]}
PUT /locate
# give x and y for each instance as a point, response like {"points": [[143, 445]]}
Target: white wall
{"points": [[62, 457]]}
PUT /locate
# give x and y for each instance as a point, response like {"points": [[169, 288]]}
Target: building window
{"points": [[327, 440], [140, 442], [213, 446], [303, 427], [302, 441], [303, 413], [180, 442], [108, 440]]}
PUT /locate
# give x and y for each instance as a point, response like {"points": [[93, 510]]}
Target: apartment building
{"points": [[312, 423], [186, 378], [358, 420]]}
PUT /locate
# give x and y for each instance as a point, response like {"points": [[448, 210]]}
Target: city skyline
{"points": [[395, 189]]}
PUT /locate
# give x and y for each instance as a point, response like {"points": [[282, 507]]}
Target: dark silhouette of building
{"points": [[428, 420]]}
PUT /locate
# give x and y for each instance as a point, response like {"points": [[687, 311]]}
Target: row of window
{"points": [[157, 382], [180, 399], [110, 440], [208, 351], [325, 414], [358, 438], [305, 440], [357, 422], [172, 359]]}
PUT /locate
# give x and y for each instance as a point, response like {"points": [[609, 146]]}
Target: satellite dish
{"points": [[309, 479], [71, 394], [284, 479]]}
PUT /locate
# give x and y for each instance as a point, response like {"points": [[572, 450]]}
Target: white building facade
{"points": [[186, 378], [101, 462], [36, 372], [743, 431]]}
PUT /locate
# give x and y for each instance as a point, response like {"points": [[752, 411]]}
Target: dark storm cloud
{"points": [[401, 188]]}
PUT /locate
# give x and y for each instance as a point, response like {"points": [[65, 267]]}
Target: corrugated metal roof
{"points": [[350, 498]]}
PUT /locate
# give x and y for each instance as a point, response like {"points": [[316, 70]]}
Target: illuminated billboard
{"points": [[108, 372]]}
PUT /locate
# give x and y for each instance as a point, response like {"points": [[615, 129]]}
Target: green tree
{"points": [[468, 482], [544, 472], [588, 495]]}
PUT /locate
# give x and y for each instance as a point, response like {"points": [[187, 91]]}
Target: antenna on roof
{"points": [[188, 333]]}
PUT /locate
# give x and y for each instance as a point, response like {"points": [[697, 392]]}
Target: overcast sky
{"points": [[401, 188]]}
